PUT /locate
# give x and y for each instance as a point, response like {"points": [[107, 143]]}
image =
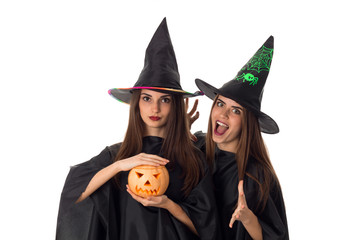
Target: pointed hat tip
{"points": [[269, 42], [163, 24]]}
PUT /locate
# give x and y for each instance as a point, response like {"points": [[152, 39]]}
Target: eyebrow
{"points": [[162, 96], [237, 107]]}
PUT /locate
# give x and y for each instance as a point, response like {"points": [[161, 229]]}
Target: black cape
{"points": [[225, 176], [111, 213]]}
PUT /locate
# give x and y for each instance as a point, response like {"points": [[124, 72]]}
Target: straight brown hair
{"points": [[252, 144], [177, 146]]}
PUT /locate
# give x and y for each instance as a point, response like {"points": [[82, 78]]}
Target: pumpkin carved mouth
{"points": [[147, 191]]}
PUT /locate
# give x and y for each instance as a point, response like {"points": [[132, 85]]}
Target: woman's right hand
{"points": [[141, 159]]}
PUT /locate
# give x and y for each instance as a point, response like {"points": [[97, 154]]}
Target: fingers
{"points": [[186, 103], [146, 202], [134, 196], [194, 118], [193, 137], [150, 159], [192, 111], [234, 217], [241, 186], [241, 211], [241, 200], [131, 193]]}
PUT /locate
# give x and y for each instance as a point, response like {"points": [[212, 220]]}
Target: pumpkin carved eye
{"points": [[139, 174], [157, 175]]}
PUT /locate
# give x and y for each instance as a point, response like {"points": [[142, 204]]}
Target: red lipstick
{"points": [[154, 118]]}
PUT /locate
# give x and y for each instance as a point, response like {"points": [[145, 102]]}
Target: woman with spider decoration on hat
{"points": [[96, 202], [247, 190]]}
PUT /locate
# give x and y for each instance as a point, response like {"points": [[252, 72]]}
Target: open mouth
{"points": [[153, 118], [220, 128]]}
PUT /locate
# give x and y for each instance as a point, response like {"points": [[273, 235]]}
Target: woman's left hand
{"points": [[190, 115], [242, 212], [151, 201]]}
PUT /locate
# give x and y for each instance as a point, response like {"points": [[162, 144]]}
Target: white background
{"points": [[59, 58]]}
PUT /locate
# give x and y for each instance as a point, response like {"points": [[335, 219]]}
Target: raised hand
{"points": [[242, 212], [191, 117], [141, 159], [246, 216]]}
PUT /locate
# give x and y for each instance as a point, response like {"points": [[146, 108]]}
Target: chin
{"points": [[217, 139]]}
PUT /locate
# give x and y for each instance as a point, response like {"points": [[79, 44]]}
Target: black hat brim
{"points": [[124, 94], [266, 123]]}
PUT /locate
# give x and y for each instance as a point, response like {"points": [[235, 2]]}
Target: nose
{"points": [[225, 113], [155, 107]]}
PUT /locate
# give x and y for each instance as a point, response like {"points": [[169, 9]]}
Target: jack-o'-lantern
{"points": [[146, 180]]}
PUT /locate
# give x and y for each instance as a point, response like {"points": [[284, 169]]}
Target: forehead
{"points": [[154, 93], [229, 101]]}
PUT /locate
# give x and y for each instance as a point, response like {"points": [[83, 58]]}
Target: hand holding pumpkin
{"points": [[150, 201], [164, 202], [141, 159]]}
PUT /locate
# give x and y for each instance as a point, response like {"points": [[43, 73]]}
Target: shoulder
{"points": [[253, 176], [255, 173], [200, 142], [114, 149], [103, 159]]}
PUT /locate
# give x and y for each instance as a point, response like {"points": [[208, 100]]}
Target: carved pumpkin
{"points": [[146, 180]]}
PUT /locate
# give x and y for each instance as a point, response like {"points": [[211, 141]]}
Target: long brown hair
{"points": [[177, 145], [252, 144]]}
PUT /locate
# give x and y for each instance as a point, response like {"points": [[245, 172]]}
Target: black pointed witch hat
{"points": [[160, 71], [248, 85]]}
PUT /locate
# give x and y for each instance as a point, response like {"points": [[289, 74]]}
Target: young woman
{"points": [[247, 191], [96, 202]]}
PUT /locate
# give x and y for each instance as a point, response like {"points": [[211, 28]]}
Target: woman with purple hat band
{"points": [[96, 202], [247, 190]]}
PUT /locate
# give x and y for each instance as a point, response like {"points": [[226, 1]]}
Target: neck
{"points": [[227, 147], [156, 132]]}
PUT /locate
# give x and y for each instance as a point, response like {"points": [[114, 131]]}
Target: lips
{"points": [[220, 128], [154, 118]]}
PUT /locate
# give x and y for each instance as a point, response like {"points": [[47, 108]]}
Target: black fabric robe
{"points": [[111, 213], [225, 176]]}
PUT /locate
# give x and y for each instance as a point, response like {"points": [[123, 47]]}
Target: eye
{"points": [[166, 100], [157, 175], [139, 174], [146, 99], [219, 104], [236, 111]]}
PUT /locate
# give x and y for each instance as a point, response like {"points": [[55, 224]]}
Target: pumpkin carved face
{"points": [[146, 180]]}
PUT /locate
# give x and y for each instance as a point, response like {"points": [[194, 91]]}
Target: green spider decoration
{"points": [[248, 77]]}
